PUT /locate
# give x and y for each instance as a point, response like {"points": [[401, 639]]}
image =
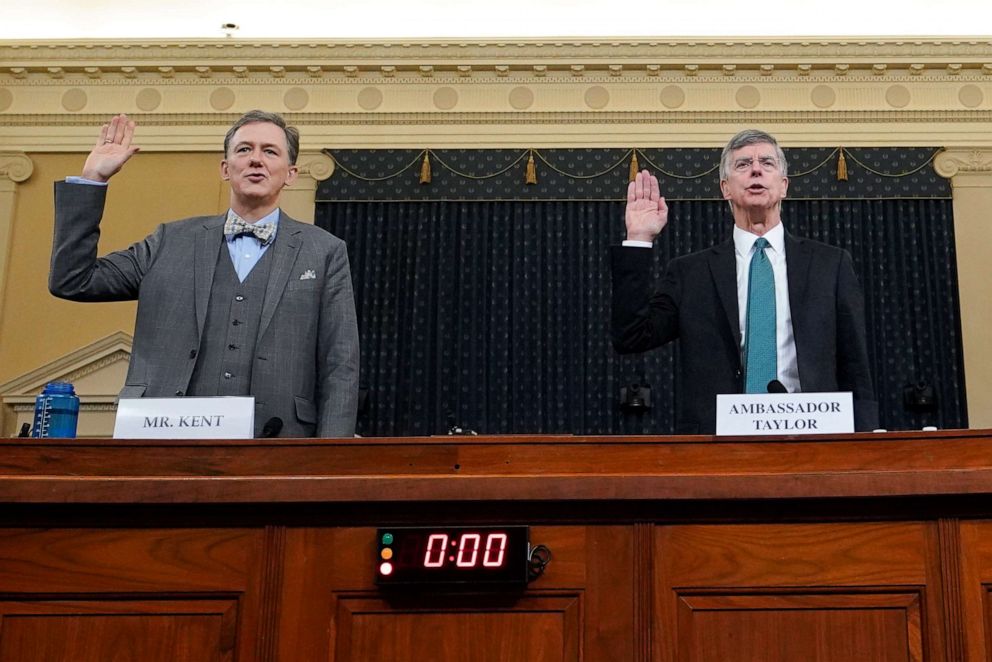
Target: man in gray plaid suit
{"points": [[249, 302]]}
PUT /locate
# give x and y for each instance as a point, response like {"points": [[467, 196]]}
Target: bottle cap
{"points": [[58, 388]]}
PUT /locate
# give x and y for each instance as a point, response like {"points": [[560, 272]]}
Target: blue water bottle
{"points": [[56, 411]]}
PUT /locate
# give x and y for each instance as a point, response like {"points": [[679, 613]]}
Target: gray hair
{"points": [[252, 116], [750, 137]]}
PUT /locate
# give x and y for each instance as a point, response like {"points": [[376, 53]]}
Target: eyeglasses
{"points": [[767, 163]]}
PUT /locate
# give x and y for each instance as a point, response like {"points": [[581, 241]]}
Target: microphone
{"points": [[272, 428], [455, 429], [775, 386]]}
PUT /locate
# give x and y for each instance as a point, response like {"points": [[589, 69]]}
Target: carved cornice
{"points": [[235, 62], [72, 367], [952, 162], [548, 75], [655, 92], [119, 356], [574, 117], [15, 166], [316, 57]]}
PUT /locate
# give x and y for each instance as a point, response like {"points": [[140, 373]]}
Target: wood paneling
{"points": [[497, 468], [862, 548], [453, 628], [64, 588], [838, 627], [583, 602], [976, 589], [118, 630], [729, 592], [71, 560]]}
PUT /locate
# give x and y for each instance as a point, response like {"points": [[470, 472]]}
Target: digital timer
{"points": [[452, 555]]}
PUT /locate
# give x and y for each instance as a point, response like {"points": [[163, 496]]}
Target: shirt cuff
{"points": [[637, 244], [72, 179]]}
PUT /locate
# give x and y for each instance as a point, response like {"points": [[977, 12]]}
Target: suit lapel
{"points": [[797, 266], [208, 242], [723, 266], [284, 250]]}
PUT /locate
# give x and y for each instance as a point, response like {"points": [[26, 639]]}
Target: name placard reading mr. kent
{"points": [[185, 418], [784, 413]]}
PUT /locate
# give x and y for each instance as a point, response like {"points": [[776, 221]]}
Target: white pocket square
{"points": [[309, 274]]}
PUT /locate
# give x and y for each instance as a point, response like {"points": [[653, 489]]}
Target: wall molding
{"points": [[97, 371], [74, 366], [536, 93]]}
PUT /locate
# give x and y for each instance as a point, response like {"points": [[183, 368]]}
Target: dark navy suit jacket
{"points": [[696, 303]]}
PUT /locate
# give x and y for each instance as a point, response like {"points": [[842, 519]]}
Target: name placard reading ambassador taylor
{"points": [[784, 413], [185, 418]]}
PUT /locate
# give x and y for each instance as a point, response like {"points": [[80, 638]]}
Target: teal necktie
{"points": [[760, 349]]}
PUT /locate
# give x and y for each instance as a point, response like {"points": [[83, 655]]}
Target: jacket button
{"points": [[192, 353], [179, 394]]}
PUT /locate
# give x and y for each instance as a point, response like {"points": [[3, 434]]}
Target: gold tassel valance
{"points": [[425, 169], [552, 166], [841, 166], [530, 176]]}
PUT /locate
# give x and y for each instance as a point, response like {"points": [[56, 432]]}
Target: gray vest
{"points": [[227, 346]]}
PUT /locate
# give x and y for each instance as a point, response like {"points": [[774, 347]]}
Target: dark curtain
{"points": [[904, 255], [495, 314]]}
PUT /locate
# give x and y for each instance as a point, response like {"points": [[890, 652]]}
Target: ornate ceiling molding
{"points": [[316, 57], [526, 93]]}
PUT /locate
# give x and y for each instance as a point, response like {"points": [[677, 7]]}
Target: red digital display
{"points": [[452, 555]]}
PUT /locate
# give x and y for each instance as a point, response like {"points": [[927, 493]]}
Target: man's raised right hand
{"points": [[647, 213], [112, 150]]}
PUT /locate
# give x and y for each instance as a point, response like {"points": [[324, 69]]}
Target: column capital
{"points": [[316, 165], [298, 198], [15, 166], [961, 160]]}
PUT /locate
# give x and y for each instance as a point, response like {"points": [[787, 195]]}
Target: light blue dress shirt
{"points": [[246, 250]]}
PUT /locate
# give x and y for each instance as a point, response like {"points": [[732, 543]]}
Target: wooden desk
{"points": [[836, 548]]}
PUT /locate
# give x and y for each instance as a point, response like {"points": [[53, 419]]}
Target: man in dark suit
{"points": [[249, 302], [816, 328]]}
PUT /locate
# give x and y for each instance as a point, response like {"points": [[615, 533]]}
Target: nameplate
{"points": [[185, 418], [784, 413]]}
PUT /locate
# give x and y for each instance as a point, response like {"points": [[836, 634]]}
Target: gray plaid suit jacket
{"points": [[305, 369]]}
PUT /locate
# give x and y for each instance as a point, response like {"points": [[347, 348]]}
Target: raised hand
{"points": [[112, 150], [647, 213]]}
